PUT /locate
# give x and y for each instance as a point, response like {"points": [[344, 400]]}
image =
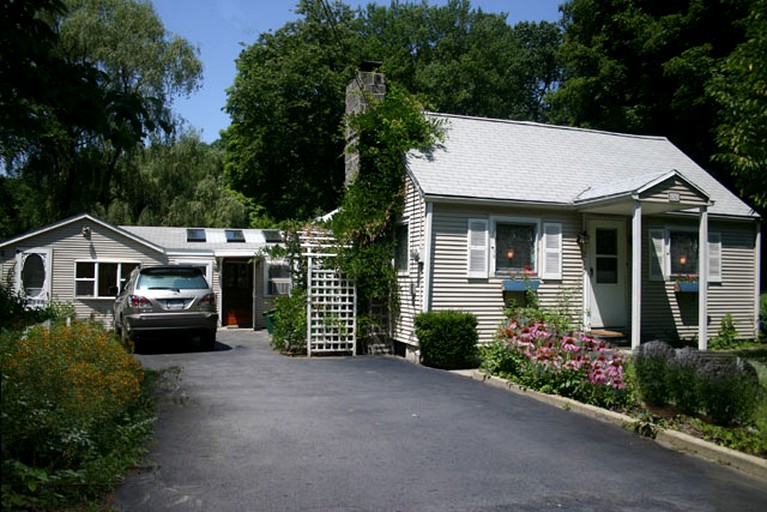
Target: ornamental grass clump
{"points": [[70, 402], [534, 353]]}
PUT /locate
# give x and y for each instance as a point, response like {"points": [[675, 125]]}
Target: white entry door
{"points": [[606, 266]]}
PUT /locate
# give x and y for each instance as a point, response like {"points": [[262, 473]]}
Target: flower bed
{"points": [[534, 352]]}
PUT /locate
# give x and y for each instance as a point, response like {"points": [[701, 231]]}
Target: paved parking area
{"points": [[250, 430]]}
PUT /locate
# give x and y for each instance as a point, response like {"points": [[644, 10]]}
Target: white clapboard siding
{"points": [[454, 289], [68, 245], [666, 314]]}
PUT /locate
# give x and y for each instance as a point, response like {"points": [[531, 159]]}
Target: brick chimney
{"points": [[368, 86]]}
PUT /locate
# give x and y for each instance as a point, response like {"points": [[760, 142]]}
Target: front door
{"points": [[237, 293], [606, 265]]}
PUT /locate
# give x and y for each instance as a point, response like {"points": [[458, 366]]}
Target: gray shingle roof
{"points": [[518, 161]]}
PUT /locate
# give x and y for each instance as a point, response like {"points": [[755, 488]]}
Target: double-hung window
{"points": [[100, 279], [674, 254], [515, 244], [509, 247]]}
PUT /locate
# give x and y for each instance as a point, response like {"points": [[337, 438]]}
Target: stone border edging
{"points": [[749, 464]]}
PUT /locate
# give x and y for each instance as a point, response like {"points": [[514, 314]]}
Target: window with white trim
{"points": [[100, 279], [514, 246], [683, 253], [674, 254]]}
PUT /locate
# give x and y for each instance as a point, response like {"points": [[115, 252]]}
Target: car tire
{"points": [[208, 339]]}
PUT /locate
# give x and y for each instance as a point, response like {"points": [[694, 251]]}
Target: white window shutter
{"points": [[551, 266], [657, 255], [478, 248], [715, 257]]}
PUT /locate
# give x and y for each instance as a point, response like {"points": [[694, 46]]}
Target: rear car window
{"points": [[171, 278]]}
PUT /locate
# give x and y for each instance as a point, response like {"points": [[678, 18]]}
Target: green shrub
{"points": [[447, 339], [684, 382], [730, 391], [763, 316], [72, 414], [727, 336], [651, 364], [14, 313], [290, 322]]}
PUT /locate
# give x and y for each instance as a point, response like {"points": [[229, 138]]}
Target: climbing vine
{"points": [[365, 223]]}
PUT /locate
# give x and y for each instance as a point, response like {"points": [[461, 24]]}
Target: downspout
{"points": [[427, 258]]}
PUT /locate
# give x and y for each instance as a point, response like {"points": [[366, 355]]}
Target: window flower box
{"points": [[519, 285], [686, 287]]}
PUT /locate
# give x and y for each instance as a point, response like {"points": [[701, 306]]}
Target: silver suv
{"points": [[166, 298]]}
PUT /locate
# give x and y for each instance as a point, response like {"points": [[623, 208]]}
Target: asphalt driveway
{"points": [[250, 430]]}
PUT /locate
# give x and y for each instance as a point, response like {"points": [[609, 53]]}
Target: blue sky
{"points": [[220, 28]]}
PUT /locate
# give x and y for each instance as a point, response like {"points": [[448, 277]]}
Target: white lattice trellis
{"points": [[331, 307]]}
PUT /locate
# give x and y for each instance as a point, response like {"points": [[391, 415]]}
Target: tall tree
{"points": [[642, 66], [740, 88], [114, 71], [176, 182], [284, 146]]}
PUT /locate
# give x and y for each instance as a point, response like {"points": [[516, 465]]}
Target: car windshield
{"points": [[171, 279]]}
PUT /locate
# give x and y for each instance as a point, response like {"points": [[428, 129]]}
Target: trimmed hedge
{"points": [[448, 339]]}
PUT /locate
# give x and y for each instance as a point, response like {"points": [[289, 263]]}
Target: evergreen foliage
{"points": [[447, 339]]}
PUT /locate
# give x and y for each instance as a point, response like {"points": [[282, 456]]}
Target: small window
{"points": [[272, 236], [278, 279], [401, 248], [195, 235], [683, 250], [235, 236], [515, 247]]}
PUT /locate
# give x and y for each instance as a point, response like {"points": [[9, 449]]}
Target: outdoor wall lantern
{"points": [[583, 240], [683, 260], [510, 253], [415, 254], [86, 231]]}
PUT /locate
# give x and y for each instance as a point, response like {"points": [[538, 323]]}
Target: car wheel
{"points": [[208, 339]]}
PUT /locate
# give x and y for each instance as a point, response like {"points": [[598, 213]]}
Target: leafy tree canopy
{"points": [[284, 147], [642, 66], [176, 182], [88, 82], [740, 88]]}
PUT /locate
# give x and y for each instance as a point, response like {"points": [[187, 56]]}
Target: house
{"points": [[625, 232], [83, 259]]}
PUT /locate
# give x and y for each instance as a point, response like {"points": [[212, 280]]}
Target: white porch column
{"points": [[636, 274], [703, 279]]}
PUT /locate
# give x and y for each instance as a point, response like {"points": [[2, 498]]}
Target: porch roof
{"points": [[659, 193], [537, 164]]}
